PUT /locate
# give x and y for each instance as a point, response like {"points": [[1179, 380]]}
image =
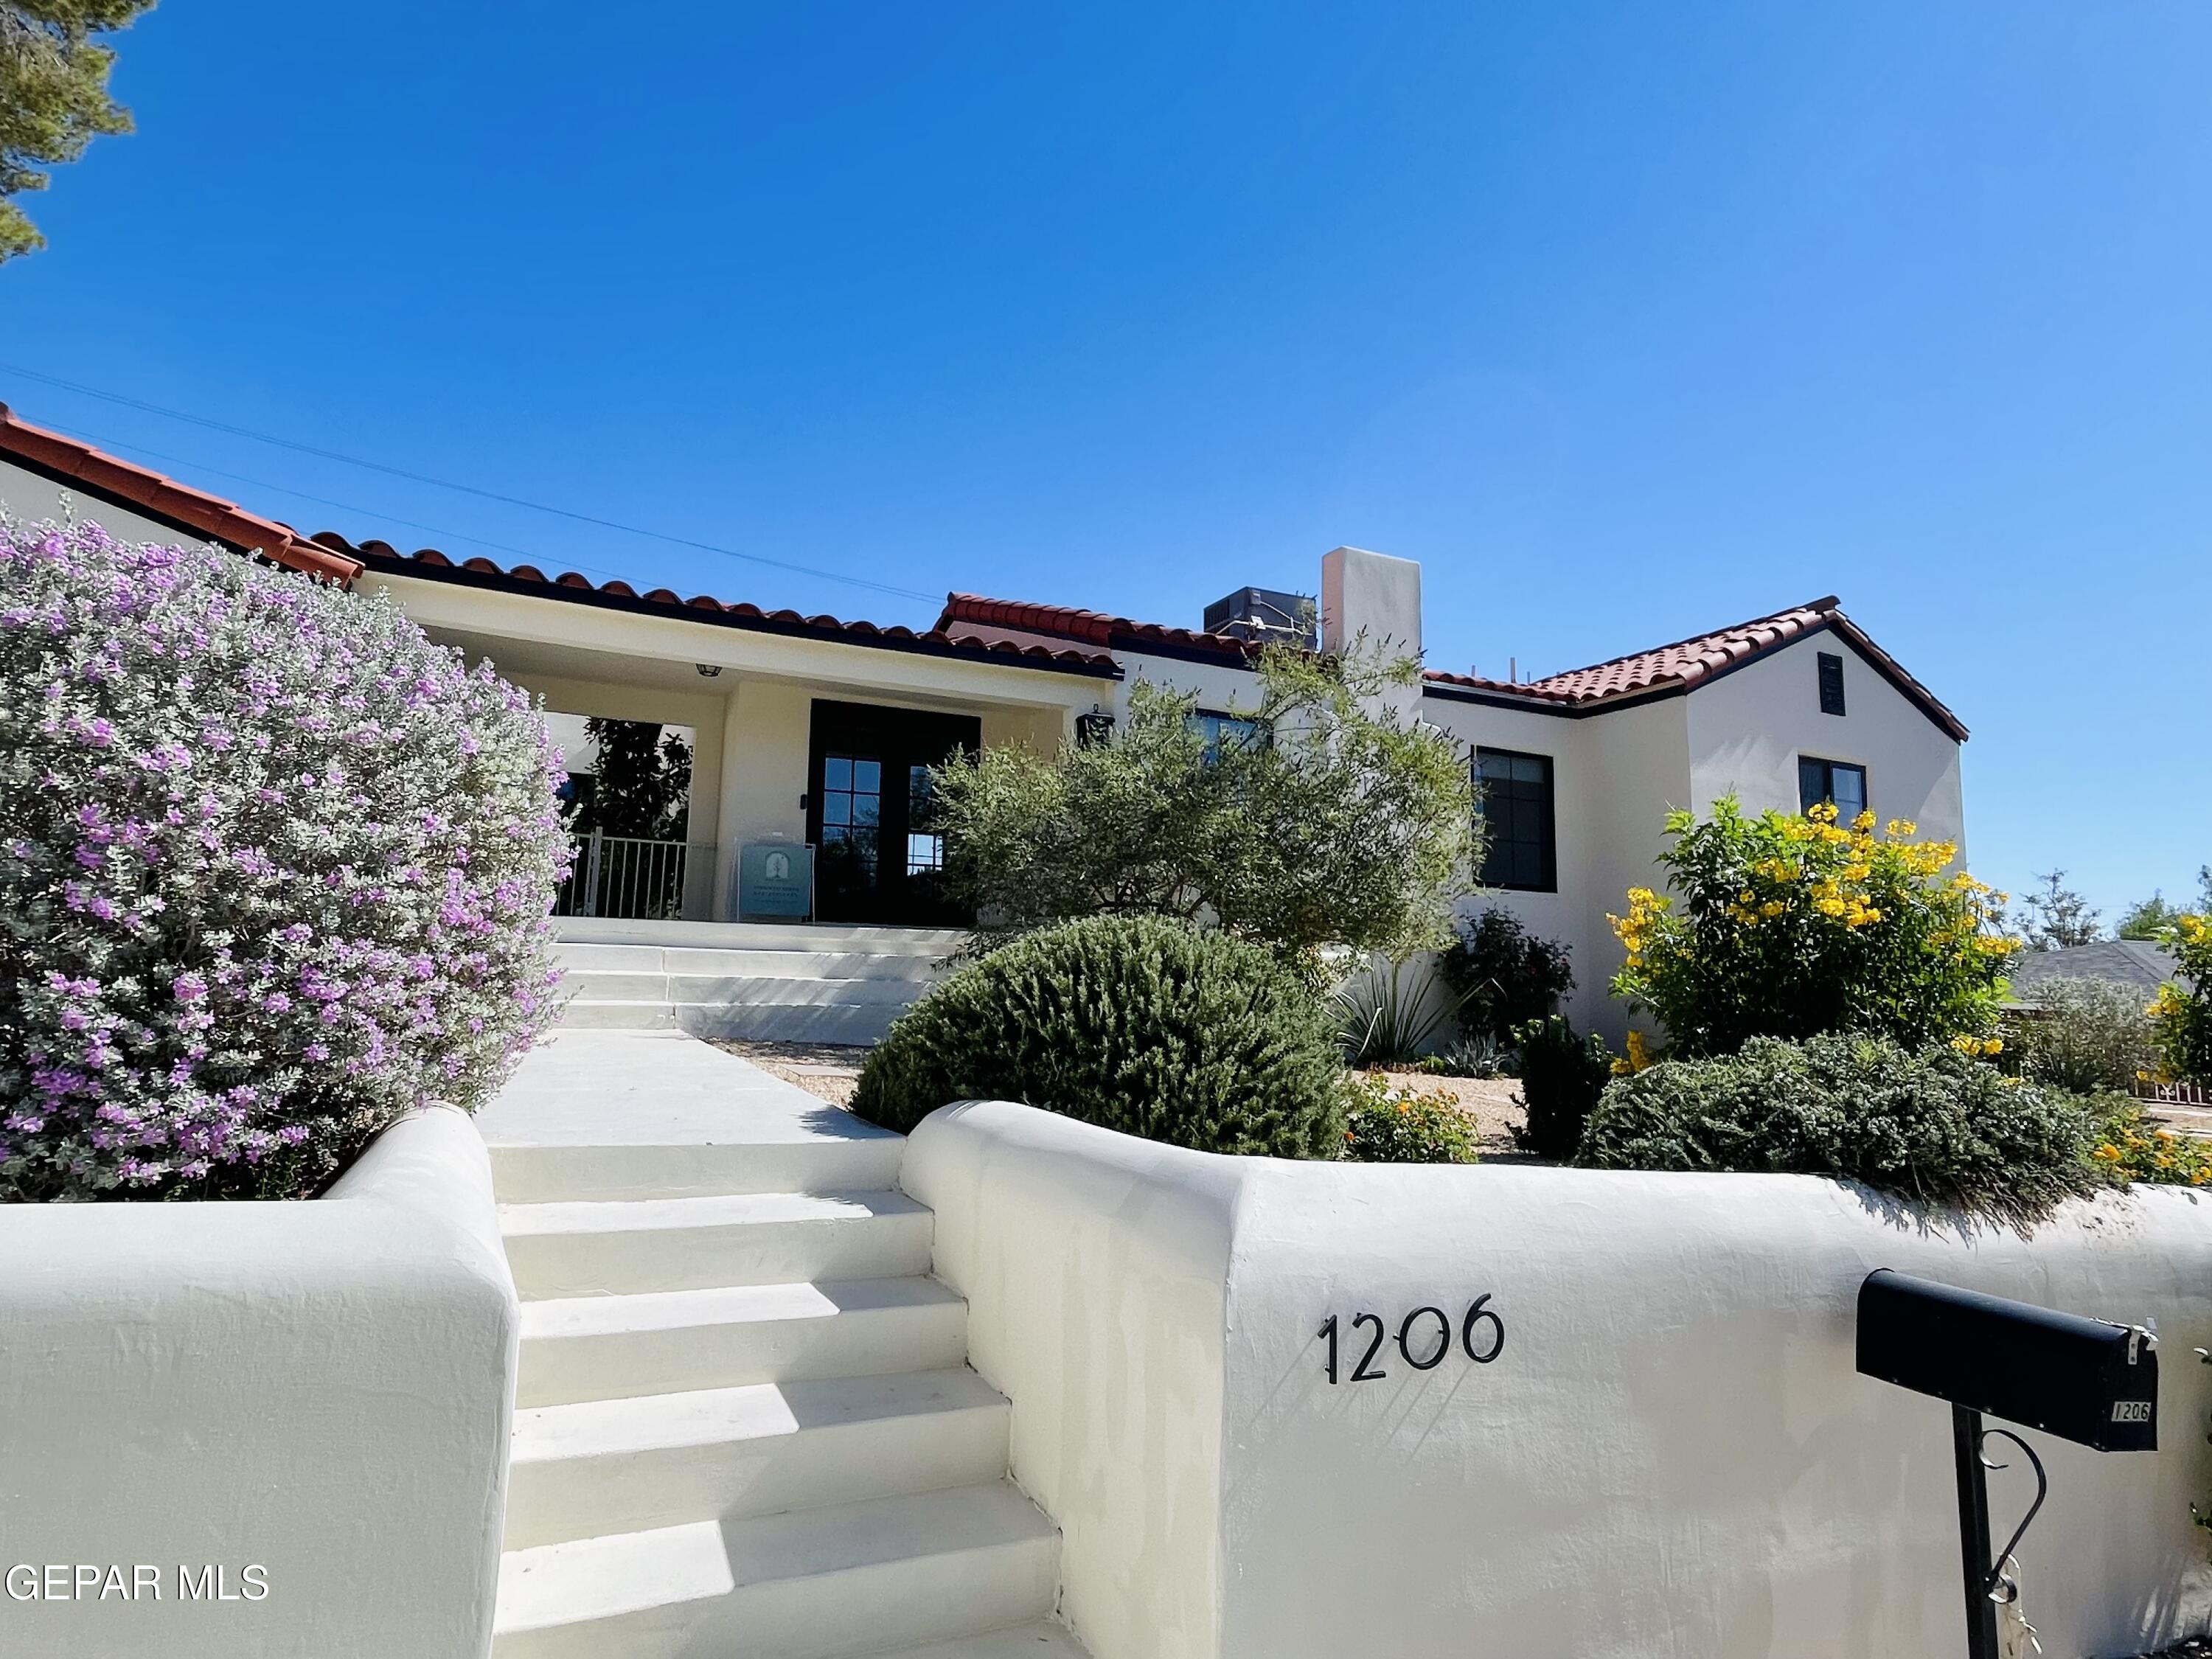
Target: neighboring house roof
{"points": [[79, 466], [2140, 963], [527, 579], [1671, 669], [1094, 627]]}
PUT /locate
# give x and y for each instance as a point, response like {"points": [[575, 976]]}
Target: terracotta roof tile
{"points": [[1687, 661], [1683, 663], [572, 585], [66, 459], [1679, 665], [1092, 628]]}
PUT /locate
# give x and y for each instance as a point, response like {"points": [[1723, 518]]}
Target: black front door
{"points": [[876, 855]]}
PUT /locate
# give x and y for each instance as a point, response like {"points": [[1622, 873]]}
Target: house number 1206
{"points": [[1424, 1337]]}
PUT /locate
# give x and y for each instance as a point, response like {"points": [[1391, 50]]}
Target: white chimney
{"points": [[1375, 595]]}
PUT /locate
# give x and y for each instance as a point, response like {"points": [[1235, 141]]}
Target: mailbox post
{"points": [[2084, 1380]]}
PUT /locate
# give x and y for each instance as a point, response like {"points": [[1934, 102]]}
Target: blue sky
{"points": [[1627, 321]]}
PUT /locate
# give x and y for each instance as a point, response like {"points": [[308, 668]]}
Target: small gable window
{"points": [[1522, 848], [1839, 781], [1831, 684]]}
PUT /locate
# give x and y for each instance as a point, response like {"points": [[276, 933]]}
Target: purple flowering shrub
{"points": [[274, 869]]}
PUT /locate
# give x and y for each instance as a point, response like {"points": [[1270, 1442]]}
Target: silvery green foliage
{"points": [[274, 869]]}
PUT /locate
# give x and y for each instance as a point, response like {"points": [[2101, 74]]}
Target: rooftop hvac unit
{"points": [[1263, 614]]}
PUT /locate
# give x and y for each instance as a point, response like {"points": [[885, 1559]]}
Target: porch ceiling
{"points": [[542, 659]]}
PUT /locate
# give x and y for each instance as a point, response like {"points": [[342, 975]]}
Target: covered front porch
{"points": [[801, 798]]}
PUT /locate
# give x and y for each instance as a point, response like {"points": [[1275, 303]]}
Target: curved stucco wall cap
{"points": [[318, 1391]]}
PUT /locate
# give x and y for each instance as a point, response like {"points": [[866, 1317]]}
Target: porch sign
{"points": [[775, 879]]}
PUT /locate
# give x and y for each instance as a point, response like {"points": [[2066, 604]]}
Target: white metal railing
{"points": [[2174, 1094], [632, 876]]}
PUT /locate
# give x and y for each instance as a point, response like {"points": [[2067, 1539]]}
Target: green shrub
{"points": [[1787, 925], [2131, 1147], [1383, 1124], [1503, 975], [1936, 1126], [1136, 1023], [1562, 1076], [2085, 1035]]}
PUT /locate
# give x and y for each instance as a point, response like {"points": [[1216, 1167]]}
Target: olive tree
{"points": [[1328, 816]]}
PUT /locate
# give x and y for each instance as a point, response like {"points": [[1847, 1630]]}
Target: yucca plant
{"points": [[1380, 1022]]}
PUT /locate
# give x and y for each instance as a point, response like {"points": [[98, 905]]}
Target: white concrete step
{"points": [[819, 1583], [794, 990], [1042, 1640], [608, 1347], [658, 1460], [620, 1248], [651, 1015], [789, 984], [584, 938], [849, 1023], [709, 974], [832, 1163]]}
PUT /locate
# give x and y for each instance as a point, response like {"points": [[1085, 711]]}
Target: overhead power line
{"points": [[763, 559], [440, 531]]}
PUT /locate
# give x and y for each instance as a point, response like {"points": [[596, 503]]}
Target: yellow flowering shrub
{"points": [[2131, 1147], [2181, 1016], [1790, 925]]}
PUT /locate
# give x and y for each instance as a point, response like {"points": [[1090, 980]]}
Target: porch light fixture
{"points": [[1094, 728], [709, 669]]}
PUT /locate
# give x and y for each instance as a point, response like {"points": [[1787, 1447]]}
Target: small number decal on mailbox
{"points": [[2131, 1411], [1425, 1339]]}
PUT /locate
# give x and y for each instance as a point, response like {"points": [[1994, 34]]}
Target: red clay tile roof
{"points": [[430, 563], [1686, 663], [67, 461], [1093, 627], [1667, 668]]}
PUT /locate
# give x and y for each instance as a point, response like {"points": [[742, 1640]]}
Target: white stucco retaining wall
{"points": [[323, 1390], [1672, 1455]]}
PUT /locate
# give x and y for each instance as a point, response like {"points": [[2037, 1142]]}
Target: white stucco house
{"points": [[810, 732]]}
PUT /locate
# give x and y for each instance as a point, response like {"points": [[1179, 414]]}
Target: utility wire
{"points": [[83, 390], [439, 531]]}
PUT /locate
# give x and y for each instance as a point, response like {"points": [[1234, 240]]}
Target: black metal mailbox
{"points": [[2081, 1379], [2084, 1379]]}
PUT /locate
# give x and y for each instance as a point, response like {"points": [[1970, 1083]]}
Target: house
{"points": [[2140, 963], [815, 732]]}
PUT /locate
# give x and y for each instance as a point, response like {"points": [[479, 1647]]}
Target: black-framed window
{"points": [[852, 806], [1840, 781], [1831, 683], [1522, 848], [1219, 729]]}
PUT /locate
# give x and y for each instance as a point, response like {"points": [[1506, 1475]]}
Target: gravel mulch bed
{"points": [[827, 1071], [1494, 1103]]}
